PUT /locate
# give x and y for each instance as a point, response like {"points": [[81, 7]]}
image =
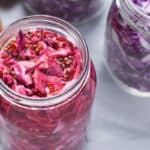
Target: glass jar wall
{"points": [[127, 55], [75, 11], [48, 123]]}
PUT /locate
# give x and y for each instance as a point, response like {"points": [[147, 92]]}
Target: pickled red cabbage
{"points": [[40, 63], [40, 66]]}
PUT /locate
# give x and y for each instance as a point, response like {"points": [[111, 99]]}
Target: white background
{"points": [[119, 121]]}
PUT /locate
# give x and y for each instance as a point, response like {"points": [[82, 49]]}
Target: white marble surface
{"points": [[119, 121]]}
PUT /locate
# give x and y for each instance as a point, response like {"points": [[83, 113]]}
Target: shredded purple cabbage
{"points": [[144, 5], [39, 63], [128, 50], [71, 10]]}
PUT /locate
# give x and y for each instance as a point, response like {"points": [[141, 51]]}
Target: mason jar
{"points": [[127, 53], [56, 122], [74, 11], [1, 25]]}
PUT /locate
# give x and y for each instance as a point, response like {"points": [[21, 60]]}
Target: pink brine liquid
{"points": [[43, 64]]}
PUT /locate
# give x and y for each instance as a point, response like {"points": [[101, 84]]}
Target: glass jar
{"points": [[51, 123], [1, 27], [127, 54], [75, 11]]}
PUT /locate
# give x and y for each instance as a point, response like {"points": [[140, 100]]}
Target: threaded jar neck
{"points": [[134, 15], [58, 26]]}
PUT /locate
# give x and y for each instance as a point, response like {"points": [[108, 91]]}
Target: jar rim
{"points": [[59, 98], [131, 3], [136, 16]]}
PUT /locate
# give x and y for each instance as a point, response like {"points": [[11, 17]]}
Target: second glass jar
{"points": [[127, 54]]}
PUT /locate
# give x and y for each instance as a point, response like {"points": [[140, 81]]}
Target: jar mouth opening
{"points": [[137, 17], [138, 9], [62, 96]]}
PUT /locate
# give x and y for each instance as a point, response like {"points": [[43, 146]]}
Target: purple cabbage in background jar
{"points": [[127, 55], [74, 11]]}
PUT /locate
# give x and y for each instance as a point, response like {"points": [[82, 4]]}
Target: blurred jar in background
{"points": [[75, 11], [128, 45]]}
